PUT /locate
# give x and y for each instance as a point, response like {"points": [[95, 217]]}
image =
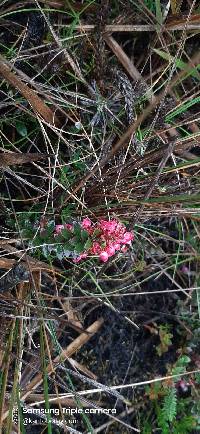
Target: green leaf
{"points": [[158, 12], [72, 242], [179, 63], [184, 425], [59, 249], [28, 233], [197, 377], [84, 235], [169, 408], [47, 233], [67, 246], [77, 230], [180, 366], [79, 248], [183, 361], [178, 370], [37, 241], [66, 234], [88, 244], [182, 109], [67, 212], [162, 422], [21, 128], [58, 238]]}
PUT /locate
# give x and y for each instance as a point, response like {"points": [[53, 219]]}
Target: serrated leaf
{"points": [[170, 404], [162, 422], [178, 370]]}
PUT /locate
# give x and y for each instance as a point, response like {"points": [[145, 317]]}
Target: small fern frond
{"points": [[184, 425], [169, 409], [162, 422]]}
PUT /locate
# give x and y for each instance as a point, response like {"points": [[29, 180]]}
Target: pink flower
{"points": [[96, 248], [116, 246], [68, 226], [86, 223], [120, 229], [106, 237], [108, 226], [110, 250], [59, 228], [103, 256], [127, 238]]}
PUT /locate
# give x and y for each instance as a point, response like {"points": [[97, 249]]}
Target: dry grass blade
{"points": [[178, 24], [30, 95], [82, 369], [6, 263], [182, 23], [124, 139], [14, 158], [66, 353], [32, 264], [123, 58], [105, 95], [5, 369], [155, 180]]}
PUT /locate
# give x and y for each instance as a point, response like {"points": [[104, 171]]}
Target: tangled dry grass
{"points": [[99, 104]]}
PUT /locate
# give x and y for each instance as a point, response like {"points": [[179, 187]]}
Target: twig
{"points": [[156, 178], [137, 384]]}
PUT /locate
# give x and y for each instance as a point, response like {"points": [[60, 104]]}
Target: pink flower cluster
{"points": [[107, 237]]}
